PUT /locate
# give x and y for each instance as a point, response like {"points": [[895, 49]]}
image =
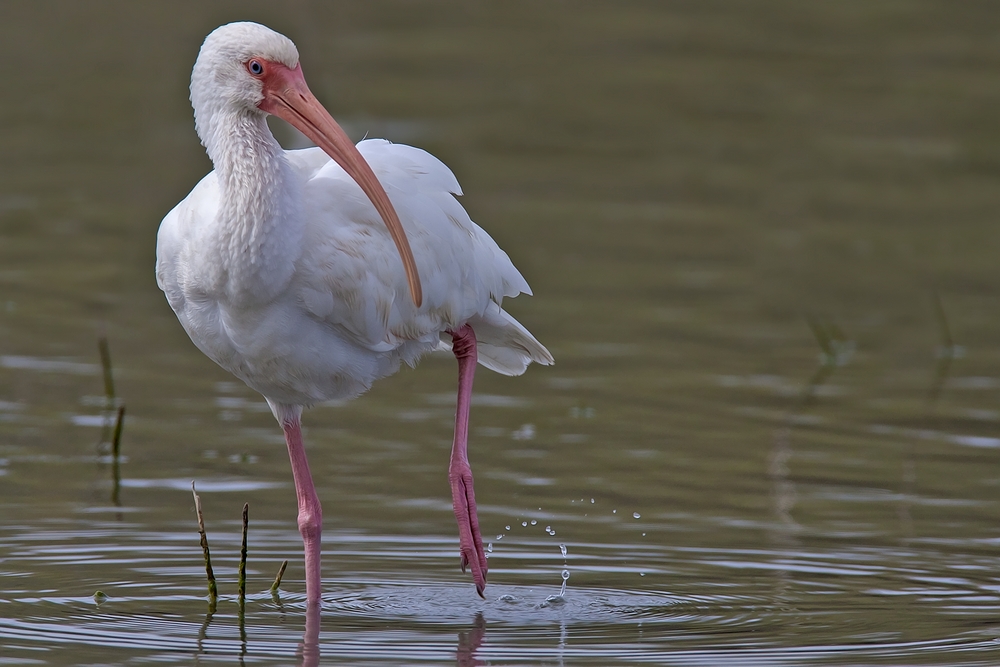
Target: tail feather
{"points": [[504, 345]]}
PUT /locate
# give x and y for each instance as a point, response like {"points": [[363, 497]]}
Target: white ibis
{"points": [[309, 274]]}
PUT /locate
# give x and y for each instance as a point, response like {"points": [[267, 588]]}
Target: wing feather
{"points": [[350, 255]]}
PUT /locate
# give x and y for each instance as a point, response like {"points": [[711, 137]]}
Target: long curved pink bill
{"points": [[287, 96]]}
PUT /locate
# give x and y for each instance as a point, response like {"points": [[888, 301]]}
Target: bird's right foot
{"points": [[470, 539]]}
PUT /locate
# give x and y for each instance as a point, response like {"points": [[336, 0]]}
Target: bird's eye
{"points": [[255, 67]]}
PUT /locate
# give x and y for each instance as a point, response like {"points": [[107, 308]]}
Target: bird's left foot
{"points": [[463, 498]]}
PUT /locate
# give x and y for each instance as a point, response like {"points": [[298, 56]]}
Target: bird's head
{"points": [[248, 69], [236, 63]]}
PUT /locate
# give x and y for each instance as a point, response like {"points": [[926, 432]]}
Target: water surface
{"points": [[762, 239]]}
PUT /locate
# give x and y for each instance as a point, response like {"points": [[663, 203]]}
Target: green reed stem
{"points": [[277, 579], [109, 381], [243, 556], [116, 440], [213, 589]]}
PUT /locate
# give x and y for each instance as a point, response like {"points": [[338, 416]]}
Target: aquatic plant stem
{"points": [[946, 353], [242, 590], [213, 589], [116, 441], [242, 586], [109, 382], [277, 579]]}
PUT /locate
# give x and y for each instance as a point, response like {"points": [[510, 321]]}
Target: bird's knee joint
{"points": [[463, 342], [310, 525]]}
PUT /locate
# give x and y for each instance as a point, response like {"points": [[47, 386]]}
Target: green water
{"points": [[762, 239]]}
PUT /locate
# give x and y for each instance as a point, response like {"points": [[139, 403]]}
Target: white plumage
{"points": [[282, 269], [343, 318]]}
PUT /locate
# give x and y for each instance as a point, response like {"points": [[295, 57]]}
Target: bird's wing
{"points": [[352, 277]]}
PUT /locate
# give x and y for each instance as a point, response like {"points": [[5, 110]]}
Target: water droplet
{"points": [[524, 523], [642, 574], [489, 548], [552, 532], [562, 589], [548, 529], [614, 511], [591, 501], [506, 527], [562, 548], [635, 515], [500, 536], [533, 522], [644, 534]]}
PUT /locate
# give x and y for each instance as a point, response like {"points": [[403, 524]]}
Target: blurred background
{"points": [[763, 243]]}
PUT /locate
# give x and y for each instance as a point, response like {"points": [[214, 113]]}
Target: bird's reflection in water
{"points": [[469, 642], [308, 652], [309, 647]]}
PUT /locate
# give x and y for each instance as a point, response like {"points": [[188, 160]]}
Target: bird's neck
{"points": [[257, 228]]}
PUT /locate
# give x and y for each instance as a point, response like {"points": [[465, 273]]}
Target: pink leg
{"points": [[463, 497], [310, 512]]}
